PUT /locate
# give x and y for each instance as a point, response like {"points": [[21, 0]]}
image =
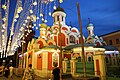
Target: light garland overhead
{"points": [[36, 10]]}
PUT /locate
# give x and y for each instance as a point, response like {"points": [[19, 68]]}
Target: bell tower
{"points": [[90, 28], [59, 15]]}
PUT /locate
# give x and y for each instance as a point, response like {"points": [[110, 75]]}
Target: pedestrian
{"points": [[11, 71], [56, 73], [28, 73], [1, 70], [7, 71]]}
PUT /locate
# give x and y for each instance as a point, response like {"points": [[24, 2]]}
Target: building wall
{"points": [[113, 39]]}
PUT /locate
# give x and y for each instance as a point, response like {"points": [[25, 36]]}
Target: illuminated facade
{"points": [[44, 52]]}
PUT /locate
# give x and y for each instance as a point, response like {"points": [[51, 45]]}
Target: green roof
{"points": [[51, 46], [43, 25], [90, 24], [108, 48], [76, 45]]}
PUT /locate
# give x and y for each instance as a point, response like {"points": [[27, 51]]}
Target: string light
{"points": [[60, 1], [35, 3], [26, 15], [4, 7]]}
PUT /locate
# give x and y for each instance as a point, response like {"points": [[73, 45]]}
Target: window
{"points": [[72, 39], [54, 19], [55, 59], [57, 18], [107, 60], [89, 59], [62, 18], [117, 41], [79, 59], [110, 42]]}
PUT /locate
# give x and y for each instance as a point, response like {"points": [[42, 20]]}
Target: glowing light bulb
{"points": [[24, 24], [35, 3], [31, 11], [17, 16], [39, 24], [51, 0], [41, 14], [34, 24], [4, 19], [26, 21], [42, 19], [60, 1], [28, 17], [15, 20], [37, 18], [19, 9], [45, 21], [49, 13], [4, 6], [54, 7], [36, 27]]}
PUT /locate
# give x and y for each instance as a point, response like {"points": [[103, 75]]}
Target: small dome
{"points": [[59, 9], [90, 25], [43, 25]]}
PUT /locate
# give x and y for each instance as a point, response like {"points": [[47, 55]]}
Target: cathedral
{"points": [[44, 52]]}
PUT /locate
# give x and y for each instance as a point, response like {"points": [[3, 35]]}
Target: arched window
{"points": [[57, 18], [55, 59], [62, 18], [106, 60], [79, 59], [89, 59], [72, 39]]}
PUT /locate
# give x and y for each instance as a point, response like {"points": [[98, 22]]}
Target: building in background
{"points": [[112, 39]]}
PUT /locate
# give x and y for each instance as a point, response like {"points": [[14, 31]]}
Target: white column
{"points": [[44, 63], [64, 65], [73, 66]]}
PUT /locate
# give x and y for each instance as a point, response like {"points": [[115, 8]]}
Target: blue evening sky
{"points": [[104, 14]]}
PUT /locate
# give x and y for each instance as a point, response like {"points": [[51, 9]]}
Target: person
{"points": [[56, 72], [7, 71], [29, 73], [0, 70], [11, 71]]}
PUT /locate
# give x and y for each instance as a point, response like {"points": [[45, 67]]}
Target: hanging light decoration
{"points": [[41, 15], [45, 21], [26, 21], [31, 11], [34, 24], [35, 3], [42, 19], [37, 18], [33, 18], [3, 25], [51, 0], [17, 15], [54, 7], [60, 1], [19, 9], [4, 19], [28, 17], [36, 27], [15, 20], [4, 7]]}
